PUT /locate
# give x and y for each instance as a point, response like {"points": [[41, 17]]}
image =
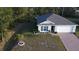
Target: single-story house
{"points": [[54, 23]]}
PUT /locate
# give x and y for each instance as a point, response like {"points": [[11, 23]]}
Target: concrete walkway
{"points": [[70, 41]]}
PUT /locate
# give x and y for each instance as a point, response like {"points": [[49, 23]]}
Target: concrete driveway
{"points": [[70, 41]]}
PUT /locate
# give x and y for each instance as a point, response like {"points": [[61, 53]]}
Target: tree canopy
{"points": [[8, 15]]}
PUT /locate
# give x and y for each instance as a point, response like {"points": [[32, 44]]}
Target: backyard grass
{"points": [[40, 42]]}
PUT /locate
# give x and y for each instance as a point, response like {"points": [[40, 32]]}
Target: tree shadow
{"points": [[12, 42]]}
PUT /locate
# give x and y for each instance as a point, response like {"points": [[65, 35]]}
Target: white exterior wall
{"points": [[57, 28], [65, 28], [49, 27], [39, 28], [74, 28], [45, 22]]}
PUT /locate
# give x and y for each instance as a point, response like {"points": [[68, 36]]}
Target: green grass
{"points": [[77, 31], [77, 34], [35, 42], [58, 42]]}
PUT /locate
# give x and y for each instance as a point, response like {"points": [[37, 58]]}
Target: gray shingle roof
{"points": [[57, 19]]}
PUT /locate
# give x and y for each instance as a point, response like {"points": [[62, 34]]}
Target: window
{"points": [[44, 28]]}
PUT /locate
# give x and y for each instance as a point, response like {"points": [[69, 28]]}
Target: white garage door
{"points": [[65, 28]]}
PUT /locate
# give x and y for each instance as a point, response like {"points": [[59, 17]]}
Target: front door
{"points": [[52, 28]]}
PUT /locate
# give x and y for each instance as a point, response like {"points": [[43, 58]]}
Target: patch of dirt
{"points": [[1, 46]]}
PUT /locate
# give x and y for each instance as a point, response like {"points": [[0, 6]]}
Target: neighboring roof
{"points": [[57, 19]]}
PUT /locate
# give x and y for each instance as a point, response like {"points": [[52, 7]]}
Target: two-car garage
{"points": [[65, 28]]}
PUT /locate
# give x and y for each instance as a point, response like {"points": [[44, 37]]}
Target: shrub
{"points": [[29, 34], [19, 36]]}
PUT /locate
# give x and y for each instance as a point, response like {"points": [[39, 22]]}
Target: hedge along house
{"points": [[54, 23]]}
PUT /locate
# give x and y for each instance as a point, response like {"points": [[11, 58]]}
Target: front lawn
{"points": [[77, 34], [40, 42]]}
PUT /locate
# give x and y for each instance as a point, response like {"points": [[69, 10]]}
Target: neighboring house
{"points": [[54, 23]]}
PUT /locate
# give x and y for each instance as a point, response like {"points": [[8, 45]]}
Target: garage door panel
{"points": [[64, 29]]}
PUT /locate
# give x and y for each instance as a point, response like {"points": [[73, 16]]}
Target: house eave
{"points": [[58, 25]]}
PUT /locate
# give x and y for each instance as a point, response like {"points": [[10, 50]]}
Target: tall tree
{"points": [[69, 12], [6, 16]]}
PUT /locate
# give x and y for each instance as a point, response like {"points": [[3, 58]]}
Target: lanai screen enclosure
{"points": [[54, 23]]}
